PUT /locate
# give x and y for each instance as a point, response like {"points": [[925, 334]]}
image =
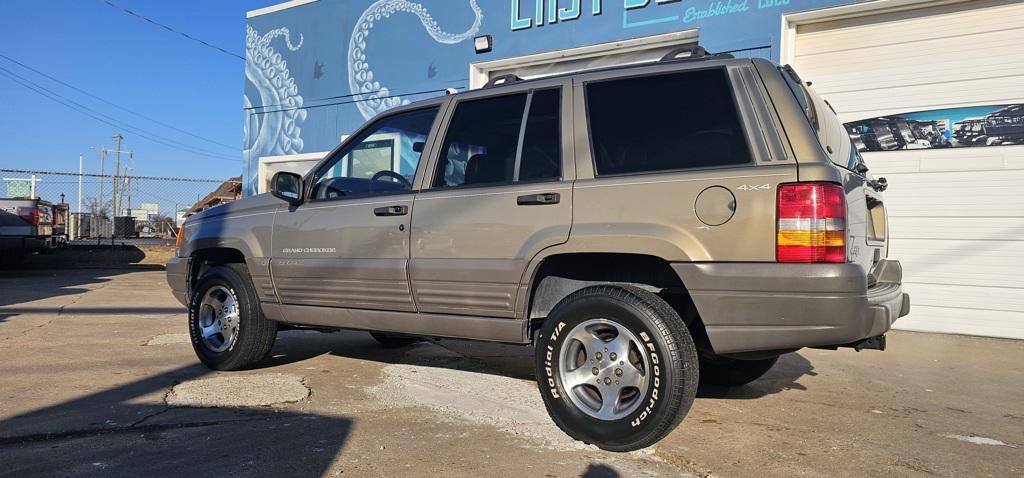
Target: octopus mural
{"points": [[273, 127], [370, 96]]}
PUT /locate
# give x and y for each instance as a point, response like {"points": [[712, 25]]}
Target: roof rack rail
{"points": [[500, 80], [694, 52]]}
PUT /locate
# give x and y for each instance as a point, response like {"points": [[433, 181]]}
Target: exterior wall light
{"points": [[483, 43]]}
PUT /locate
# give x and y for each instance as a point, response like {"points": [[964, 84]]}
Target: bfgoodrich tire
{"points": [[616, 367], [225, 322], [729, 372]]}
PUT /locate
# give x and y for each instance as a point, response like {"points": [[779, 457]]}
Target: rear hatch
{"points": [[866, 217]]}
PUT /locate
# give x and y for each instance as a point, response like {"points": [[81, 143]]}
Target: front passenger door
{"points": [[347, 245]]}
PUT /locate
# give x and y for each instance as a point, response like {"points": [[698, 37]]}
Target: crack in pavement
{"points": [[148, 416], [57, 315], [91, 432]]}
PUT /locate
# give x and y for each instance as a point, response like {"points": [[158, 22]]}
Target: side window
{"points": [[541, 156], [665, 122], [480, 145], [382, 160]]}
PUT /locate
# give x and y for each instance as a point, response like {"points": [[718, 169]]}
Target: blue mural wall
{"points": [[317, 71]]}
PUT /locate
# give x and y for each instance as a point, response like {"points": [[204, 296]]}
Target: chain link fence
{"points": [[102, 209]]}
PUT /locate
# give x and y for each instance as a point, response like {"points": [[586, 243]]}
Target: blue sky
{"points": [[135, 65]]}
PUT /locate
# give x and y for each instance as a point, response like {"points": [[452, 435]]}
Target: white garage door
{"points": [[956, 215]]}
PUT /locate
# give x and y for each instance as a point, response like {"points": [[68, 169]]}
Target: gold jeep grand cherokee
{"points": [[642, 228]]}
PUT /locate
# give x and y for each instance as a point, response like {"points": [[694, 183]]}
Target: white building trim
{"points": [[277, 8], [479, 73], [791, 21], [264, 161]]}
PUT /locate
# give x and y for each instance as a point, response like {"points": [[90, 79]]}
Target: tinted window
{"points": [[481, 142], [382, 159], [802, 95], [665, 122], [542, 147]]}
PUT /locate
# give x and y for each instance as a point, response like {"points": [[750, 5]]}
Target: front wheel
{"points": [[616, 367], [225, 322]]}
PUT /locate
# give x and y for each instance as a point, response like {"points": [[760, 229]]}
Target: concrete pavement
{"points": [[90, 358]]}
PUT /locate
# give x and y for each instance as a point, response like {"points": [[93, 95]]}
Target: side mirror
{"points": [[287, 187]]}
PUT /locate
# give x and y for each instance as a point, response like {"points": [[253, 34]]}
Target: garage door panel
{"points": [[951, 265], [995, 298], [943, 228], [959, 194], [956, 216], [870, 104], [909, 26], [949, 159], [962, 321], [947, 61], [961, 54]]}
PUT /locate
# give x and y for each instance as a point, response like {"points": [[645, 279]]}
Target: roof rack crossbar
{"points": [[505, 79], [693, 52]]}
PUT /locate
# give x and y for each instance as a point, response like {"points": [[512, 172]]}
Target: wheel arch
{"points": [[203, 259], [556, 276]]}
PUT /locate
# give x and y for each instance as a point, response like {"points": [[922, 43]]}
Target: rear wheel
{"points": [[730, 372], [394, 340], [616, 367], [226, 324]]}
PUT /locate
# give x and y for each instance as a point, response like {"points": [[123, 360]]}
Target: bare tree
{"points": [[97, 207]]}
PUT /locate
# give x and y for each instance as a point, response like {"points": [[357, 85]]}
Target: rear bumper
{"points": [[177, 278], [750, 307]]}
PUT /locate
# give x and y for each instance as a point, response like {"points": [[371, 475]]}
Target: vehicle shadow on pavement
{"points": [[21, 287], [129, 431], [512, 361], [783, 376]]}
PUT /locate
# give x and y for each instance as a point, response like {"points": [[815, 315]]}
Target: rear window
{"points": [[665, 122]]}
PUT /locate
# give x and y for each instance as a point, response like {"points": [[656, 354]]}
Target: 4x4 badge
{"points": [[755, 187]]}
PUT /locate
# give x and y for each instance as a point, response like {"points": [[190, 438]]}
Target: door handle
{"points": [[391, 211], [538, 199]]}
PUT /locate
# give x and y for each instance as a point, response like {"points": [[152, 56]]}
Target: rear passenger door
{"points": [[499, 190]]}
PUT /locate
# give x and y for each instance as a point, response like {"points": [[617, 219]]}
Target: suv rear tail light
{"points": [[811, 223]]}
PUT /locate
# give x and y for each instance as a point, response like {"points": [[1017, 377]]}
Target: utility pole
{"points": [[128, 186], [81, 158], [103, 157], [116, 179], [117, 174]]}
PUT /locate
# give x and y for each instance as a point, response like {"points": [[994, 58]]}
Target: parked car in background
{"points": [[970, 131], [26, 226], [1006, 126]]}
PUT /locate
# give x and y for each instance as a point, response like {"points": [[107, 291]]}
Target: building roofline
{"points": [[277, 8]]}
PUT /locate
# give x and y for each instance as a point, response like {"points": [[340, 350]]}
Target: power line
{"points": [[95, 175], [397, 94], [172, 30], [12, 60], [109, 120], [342, 102]]}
